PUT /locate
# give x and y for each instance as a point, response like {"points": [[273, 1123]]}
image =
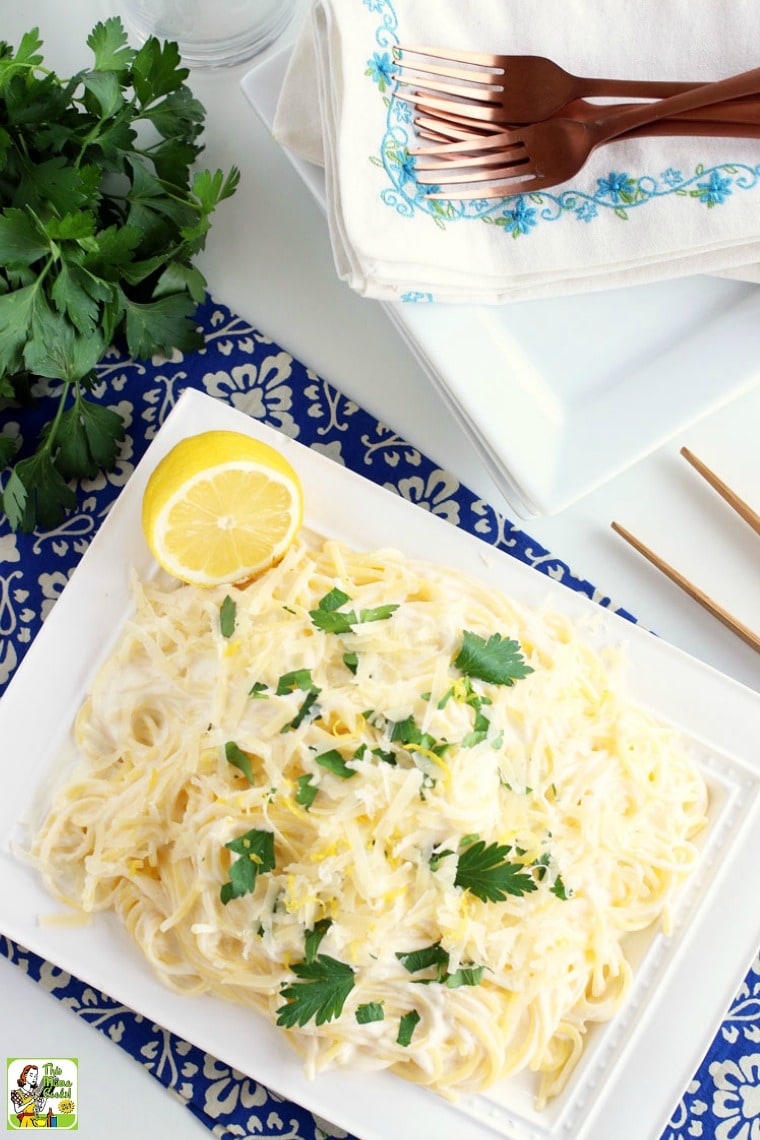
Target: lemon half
{"points": [[221, 507]]}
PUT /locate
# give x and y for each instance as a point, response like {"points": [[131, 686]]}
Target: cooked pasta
{"points": [[405, 817]]}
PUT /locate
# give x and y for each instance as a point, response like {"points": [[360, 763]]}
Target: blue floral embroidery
{"points": [[415, 297], [520, 219], [672, 177], [617, 187], [587, 211], [521, 215], [380, 70], [715, 191]]}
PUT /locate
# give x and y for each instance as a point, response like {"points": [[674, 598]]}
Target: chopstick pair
{"points": [[743, 509]]}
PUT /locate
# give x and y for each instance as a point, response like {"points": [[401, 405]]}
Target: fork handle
{"points": [[611, 125], [634, 88]]}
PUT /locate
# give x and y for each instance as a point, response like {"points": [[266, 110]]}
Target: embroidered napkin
{"points": [[640, 210]]}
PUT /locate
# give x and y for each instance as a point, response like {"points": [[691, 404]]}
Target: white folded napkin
{"points": [[640, 210]]}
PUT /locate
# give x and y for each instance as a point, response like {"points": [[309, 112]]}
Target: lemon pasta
{"points": [[408, 819]]}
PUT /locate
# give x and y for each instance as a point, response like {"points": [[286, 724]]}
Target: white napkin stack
{"points": [[640, 210]]}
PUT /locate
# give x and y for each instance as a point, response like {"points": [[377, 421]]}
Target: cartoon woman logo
{"points": [[29, 1101]]}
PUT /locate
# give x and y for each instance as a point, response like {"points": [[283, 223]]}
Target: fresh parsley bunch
{"points": [[100, 218]]}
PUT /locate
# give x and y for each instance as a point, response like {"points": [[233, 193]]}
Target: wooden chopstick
{"points": [[739, 628], [744, 511]]}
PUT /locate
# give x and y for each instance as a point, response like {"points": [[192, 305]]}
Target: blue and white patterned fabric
{"points": [[242, 367]]}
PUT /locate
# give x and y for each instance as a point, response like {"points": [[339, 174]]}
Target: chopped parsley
{"points": [[408, 733], [298, 679], [306, 793], [239, 759], [559, 889], [259, 691], [307, 708], [406, 1027], [329, 617], [320, 993], [436, 958], [485, 871], [256, 854], [414, 961], [498, 660], [314, 938], [333, 762], [227, 616], [369, 1011]]}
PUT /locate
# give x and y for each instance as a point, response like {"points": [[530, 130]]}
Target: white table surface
{"points": [[269, 259]]}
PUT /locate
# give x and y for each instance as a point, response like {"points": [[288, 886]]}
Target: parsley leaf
{"points": [[108, 42], [430, 956], [369, 1011], [314, 938], [307, 709], [307, 792], [408, 733], [331, 619], [88, 437], [486, 872], [320, 993], [334, 762], [36, 492], [407, 1025], [437, 958], [498, 660], [298, 679], [239, 759], [256, 854], [227, 616]]}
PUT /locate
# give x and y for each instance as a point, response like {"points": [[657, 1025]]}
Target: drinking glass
{"points": [[210, 33]]}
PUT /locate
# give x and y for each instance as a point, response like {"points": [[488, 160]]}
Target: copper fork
{"points": [[535, 157], [506, 88], [742, 120], [459, 127]]}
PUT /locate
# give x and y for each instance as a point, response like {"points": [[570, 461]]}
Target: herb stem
{"points": [[52, 433]]}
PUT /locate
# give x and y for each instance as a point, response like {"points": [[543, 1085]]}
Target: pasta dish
{"points": [[408, 819]]}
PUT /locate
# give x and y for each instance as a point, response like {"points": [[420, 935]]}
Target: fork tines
{"points": [[471, 85]]}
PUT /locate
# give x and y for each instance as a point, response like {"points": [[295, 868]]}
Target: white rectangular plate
{"points": [[559, 395], [636, 1067]]}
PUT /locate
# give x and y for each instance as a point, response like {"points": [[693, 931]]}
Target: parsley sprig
{"points": [[101, 215], [320, 992], [485, 871], [498, 660]]}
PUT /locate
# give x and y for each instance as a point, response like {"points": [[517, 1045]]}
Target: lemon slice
{"points": [[221, 507]]}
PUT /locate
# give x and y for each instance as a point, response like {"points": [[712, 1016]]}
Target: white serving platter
{"points": [[557, 396], [636, 1067]]}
